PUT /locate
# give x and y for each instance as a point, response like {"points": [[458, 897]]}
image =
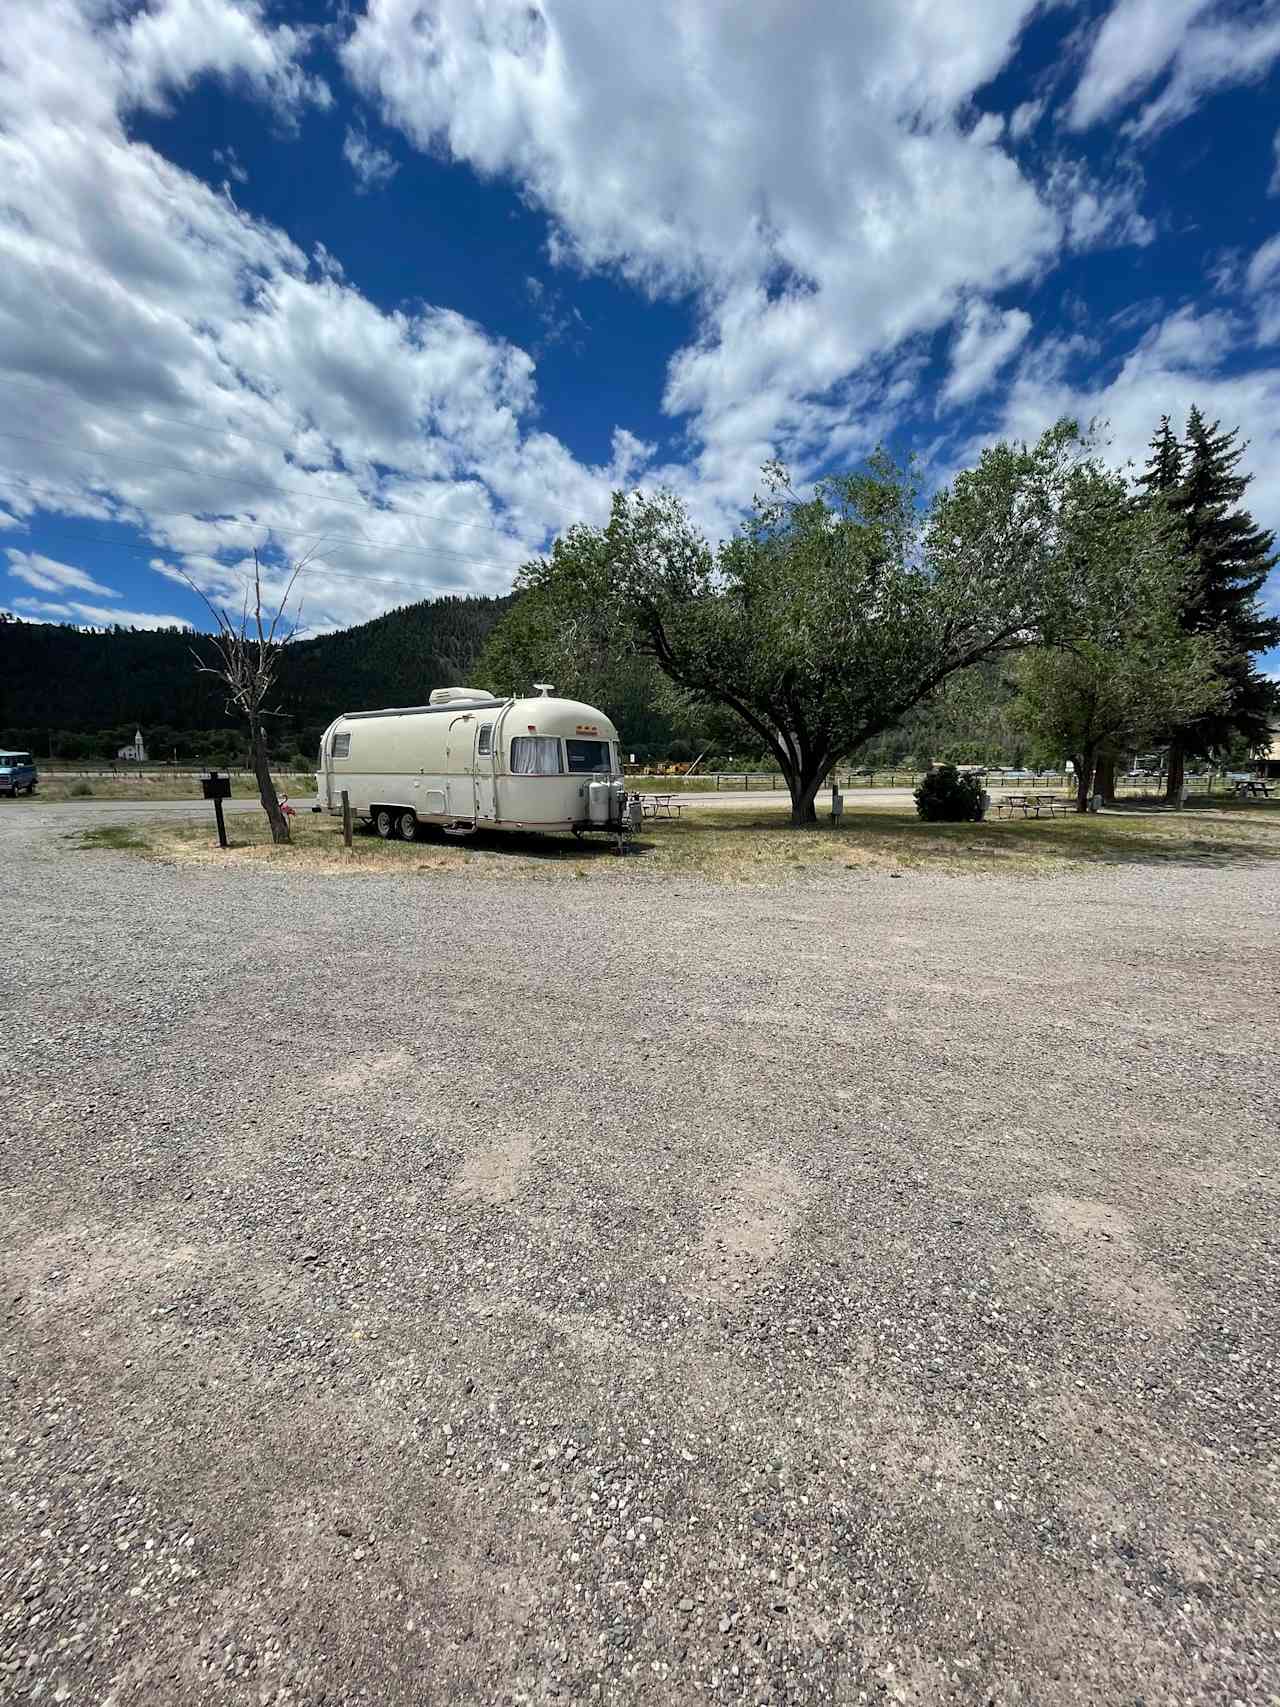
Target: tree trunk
{"points": [[267, 788], [1175, 774], [1106, 778], [804, 785], [1084, 763]]}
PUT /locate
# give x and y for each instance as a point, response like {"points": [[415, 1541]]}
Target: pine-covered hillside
{"points": [[62, 679]]}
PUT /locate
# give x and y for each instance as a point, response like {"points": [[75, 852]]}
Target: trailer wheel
{"points": [[407, 826], [384, 823]]}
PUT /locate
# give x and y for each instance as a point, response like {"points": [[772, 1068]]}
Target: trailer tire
{"points": [[384, 823], [407, 826]]}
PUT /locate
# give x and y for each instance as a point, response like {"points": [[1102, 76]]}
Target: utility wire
{"points": [[245, 480], [309, 568], [36, 484]]}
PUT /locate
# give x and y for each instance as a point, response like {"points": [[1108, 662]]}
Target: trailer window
{"points": [[535, 755], [587, 755], [342, 745], [484, 746]]}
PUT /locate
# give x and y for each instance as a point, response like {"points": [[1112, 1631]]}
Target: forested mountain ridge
{"points": [[56, 678]]}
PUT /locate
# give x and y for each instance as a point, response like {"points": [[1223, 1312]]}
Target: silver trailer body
{"points": [[467, 761]]}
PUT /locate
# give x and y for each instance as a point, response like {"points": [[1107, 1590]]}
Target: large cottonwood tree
{"points": [[830, 615]]}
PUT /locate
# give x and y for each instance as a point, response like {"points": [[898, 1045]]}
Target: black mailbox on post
{"points": [[216, 786]]}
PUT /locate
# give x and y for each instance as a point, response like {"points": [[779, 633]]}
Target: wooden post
{"points": [[222, 827], [346, 817]]}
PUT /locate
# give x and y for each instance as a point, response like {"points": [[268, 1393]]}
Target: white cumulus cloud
{"points": [[1025, 117], [987, 338], [49, 576], [372, 166], [1262, 283], [1201, 47], [162, 48], [1187, 357], [816, 183], [172, 363], [95, 616]]}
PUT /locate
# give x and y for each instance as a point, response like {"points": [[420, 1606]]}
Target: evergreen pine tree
{"points": [[1231, 557], [1164, 471], [1160, 481]]}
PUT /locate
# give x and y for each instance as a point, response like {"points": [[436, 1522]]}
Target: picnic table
{"points": [[1252, 785], [1032, 805], [659, 806]]}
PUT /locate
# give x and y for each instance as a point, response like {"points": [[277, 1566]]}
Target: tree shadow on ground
{"points": [[528, 844], [1125, 838]]}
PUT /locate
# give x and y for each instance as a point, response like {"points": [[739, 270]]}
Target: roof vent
{"points": [[544, 690], [454, 696]]}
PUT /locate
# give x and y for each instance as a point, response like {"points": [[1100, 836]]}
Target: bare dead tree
{"points": [[248, 654]]}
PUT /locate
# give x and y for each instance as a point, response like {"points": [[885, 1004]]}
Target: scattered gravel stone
{"points": [[415, 1288]]}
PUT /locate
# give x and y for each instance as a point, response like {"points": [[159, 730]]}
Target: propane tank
{"points": [[599, 801]]}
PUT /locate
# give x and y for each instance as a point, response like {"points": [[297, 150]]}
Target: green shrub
{"points": [[946, 797], [80, 790]]}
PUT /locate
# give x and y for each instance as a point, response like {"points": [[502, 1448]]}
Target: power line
{"points": [[41, 385], [152, 550], [37, 484], [244, 480]]}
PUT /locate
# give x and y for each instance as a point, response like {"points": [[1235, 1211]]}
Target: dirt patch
{"points": [[1079, 1219], [747, 1232], [362, 1071], [1209, 1179], [496, 1173], [1111, 1262], [78, 1264], [888, 1435]]}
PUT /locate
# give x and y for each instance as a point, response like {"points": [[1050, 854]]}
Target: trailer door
{"points": [[483, 763], [326, 765]]}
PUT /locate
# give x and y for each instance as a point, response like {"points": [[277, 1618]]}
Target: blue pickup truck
{"points": [[17, 774]]}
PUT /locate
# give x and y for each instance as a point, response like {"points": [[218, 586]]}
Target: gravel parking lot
{"points": [[506, 1291]]}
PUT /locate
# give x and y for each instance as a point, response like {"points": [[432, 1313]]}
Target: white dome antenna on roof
{"points": [[544, 690]]}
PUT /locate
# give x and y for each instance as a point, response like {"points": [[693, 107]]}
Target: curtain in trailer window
{"points": [[535, 755]]}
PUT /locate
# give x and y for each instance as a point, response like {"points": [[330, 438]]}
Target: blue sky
{"points": [[411, 285]]}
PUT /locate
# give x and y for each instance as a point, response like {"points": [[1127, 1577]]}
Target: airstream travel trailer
{"points": [[467, 761]]}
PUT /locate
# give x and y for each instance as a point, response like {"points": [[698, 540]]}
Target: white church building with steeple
{"points": [[135, 750]]}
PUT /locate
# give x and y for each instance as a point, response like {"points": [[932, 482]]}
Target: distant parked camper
{"points": [[467, 761]]}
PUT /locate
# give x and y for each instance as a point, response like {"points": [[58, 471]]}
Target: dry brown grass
{"points": [[733, 847], [160, 785]]}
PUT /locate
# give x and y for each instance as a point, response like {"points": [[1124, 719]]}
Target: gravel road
{"points": [[72, 812], [754, 798], [23, 821], [478, 1291]]}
